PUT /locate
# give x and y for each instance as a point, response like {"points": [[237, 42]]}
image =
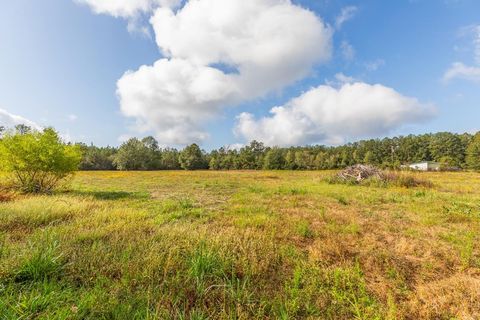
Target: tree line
{"points": [[38, 161], [450, 149]]}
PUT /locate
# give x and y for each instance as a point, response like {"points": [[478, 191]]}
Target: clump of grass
{"points": [[291, 191], [347, 289], [193, 315], [204, 265], [342, 200], [460, 212], [304, 230], [342, 293], [182, 208], [45, 262], [186, 203], [406, 181], [39, 298], [464, 243]]}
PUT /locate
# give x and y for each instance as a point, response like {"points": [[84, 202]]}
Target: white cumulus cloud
{"points": [[173, 97], [9, 120], [329, 115], [219, 53]]}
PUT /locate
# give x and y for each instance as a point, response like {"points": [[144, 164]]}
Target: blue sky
{"points": [[60, 62]]}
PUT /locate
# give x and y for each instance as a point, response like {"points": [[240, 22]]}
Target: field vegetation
{"points": [[241, 245]]}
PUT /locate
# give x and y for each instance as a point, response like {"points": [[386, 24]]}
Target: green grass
{"points": [[242, 245]]}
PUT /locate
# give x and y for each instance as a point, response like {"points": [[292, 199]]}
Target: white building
{"points": [[425, 166]]}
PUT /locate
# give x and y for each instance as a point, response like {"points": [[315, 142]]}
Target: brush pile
{"points": [[359, 173], [366, 175]]}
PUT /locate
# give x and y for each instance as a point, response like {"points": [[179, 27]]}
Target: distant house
{"points": [[425, 166]]}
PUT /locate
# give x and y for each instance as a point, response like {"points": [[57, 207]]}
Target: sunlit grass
{"points": [[241, 245]]}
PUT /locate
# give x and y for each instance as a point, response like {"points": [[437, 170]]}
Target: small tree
{"points": [[274, 160], [133, 155], [192, 158], [169, 159], [37, 161]]}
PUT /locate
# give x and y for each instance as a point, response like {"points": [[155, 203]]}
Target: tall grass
{"points": [[44, 261]]}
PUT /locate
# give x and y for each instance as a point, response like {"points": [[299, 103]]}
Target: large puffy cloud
{"points": [[217, 54], [174, 96], [270, 42], [329, 115], [9, 120]]}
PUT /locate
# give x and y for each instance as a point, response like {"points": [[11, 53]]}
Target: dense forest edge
{"points": [[451, 150]]}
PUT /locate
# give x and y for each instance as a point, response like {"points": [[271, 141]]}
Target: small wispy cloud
{"points": [[346, 14], [72, 117], [460, 70], [374, 65], [9, 120], [476, 44], [348, 52], [340, 79]]}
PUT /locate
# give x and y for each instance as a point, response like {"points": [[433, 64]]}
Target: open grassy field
{"points": [[241, 245]]}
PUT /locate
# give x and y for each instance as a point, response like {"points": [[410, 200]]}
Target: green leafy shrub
{"points": [[37, 161]]}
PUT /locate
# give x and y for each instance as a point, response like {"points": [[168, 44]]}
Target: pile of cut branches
{"points": [[359, 173]]}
